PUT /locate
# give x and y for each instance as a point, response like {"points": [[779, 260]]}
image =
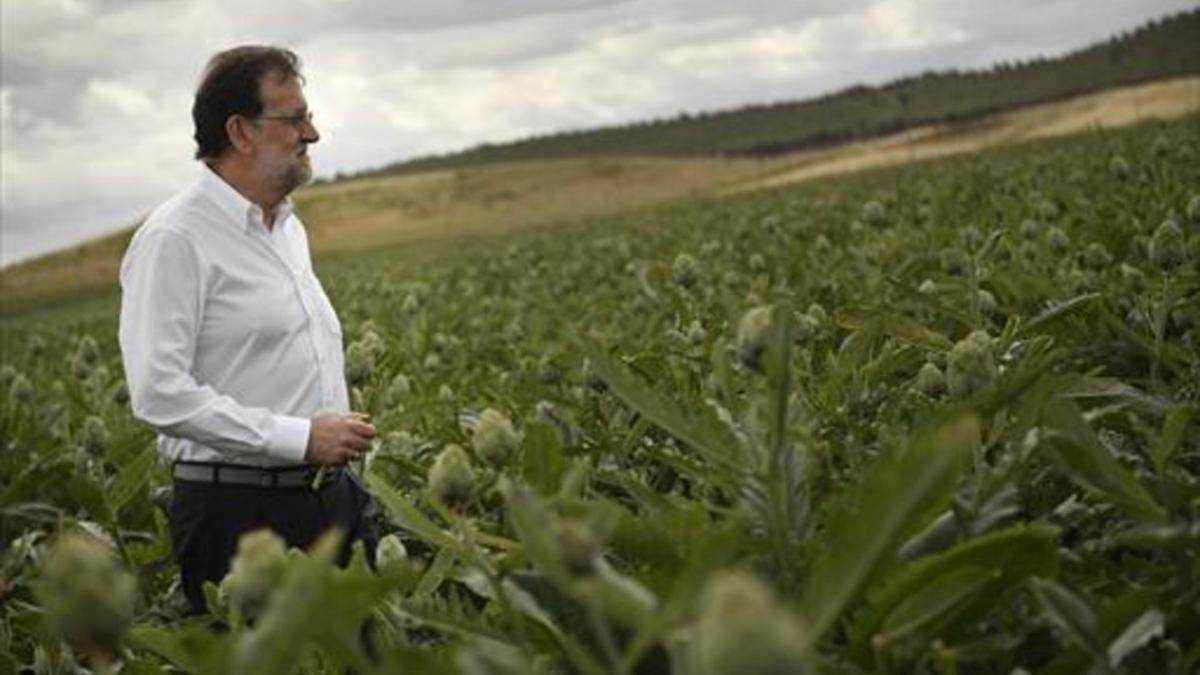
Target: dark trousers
{"points": [[207, 519]]}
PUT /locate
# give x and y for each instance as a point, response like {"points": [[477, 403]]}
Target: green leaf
{"points": [[534, 528], [1069, 613], [1079, 453], [132, 479], [270, 646], [619, 596], [921, 610], [542, 458], [1171, 437], [1059, 311], [897, 492], [436, 573], [881, 321], [709, 440], [406, 514], [1175, 536], [1140, 631], [944, 595], [193, 647]]}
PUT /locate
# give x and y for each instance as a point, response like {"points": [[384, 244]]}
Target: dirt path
{"points": [[1164, 99]]}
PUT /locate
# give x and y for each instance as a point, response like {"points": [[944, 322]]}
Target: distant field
{"points": [[1105, 110], [371, 212]]}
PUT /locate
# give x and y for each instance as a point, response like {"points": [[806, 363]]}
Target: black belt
{"points": [[239, 474]]}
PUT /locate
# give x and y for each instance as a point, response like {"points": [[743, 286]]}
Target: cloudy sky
{"points": [[95, 96]]}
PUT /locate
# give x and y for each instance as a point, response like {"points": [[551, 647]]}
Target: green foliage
{"points": [[626, 474]]}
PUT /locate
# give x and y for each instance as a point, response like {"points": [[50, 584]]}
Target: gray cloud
{"points": [[95, 96]]}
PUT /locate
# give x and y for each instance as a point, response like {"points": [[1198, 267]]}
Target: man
{"points": [[232, 351]]}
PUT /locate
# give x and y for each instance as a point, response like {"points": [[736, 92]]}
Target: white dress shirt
{"points": [[229, 342]]}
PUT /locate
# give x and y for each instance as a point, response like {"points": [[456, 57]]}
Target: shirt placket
{"points": [[296, 276]]}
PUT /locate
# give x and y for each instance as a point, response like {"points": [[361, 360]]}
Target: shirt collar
{"points": [[235, 206]]}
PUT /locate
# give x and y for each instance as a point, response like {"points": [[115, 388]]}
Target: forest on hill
{"points": [[1166, 47]]}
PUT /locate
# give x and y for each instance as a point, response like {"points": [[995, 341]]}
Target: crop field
{"points": [[938, 418]]}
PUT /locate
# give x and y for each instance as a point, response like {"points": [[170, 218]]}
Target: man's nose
{"points": [[309, 133]]}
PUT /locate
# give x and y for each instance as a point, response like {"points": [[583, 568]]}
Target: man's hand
{"points": [[337, 438]]}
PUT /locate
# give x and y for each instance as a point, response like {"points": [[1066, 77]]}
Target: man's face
{"points": [[284, 132]]}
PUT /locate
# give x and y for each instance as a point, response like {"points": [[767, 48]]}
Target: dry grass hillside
{"points": [[377, 211]]}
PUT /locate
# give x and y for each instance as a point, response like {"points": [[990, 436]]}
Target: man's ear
{"points": [[238, 133]]}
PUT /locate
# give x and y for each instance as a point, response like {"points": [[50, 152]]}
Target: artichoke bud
{"points": [[1096, 256], [399, 389], [397, 444], [1047, 210], [360, 363], [954, 261], [257, 568], [685, 270], [1133, 278], [1119, 166], [987, 301], [742, 631], [88, 351], [805, 328], [495, 440], [930, 380], [754, 330], [970, 366], [390, 554], [1167, 246], [93, 436], [451, 479], [432, 361], [1058, 240], [21, 388], [818, 314], [972, 238], [88, 596], [577, 547], [874, 214]]}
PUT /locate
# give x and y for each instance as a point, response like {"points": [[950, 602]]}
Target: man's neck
{"points": [[245, 184]]}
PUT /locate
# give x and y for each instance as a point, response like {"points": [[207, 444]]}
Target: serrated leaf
{"points": [[977, 573], [1069, 613], [406, 514], [708, 439], [194, 647], [1057, 312], [436, 573], [884, 322], [132, 479], [897, 491], [1078, 452]]}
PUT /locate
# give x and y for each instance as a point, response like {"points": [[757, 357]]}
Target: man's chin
{"points": [[298, 176]]}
